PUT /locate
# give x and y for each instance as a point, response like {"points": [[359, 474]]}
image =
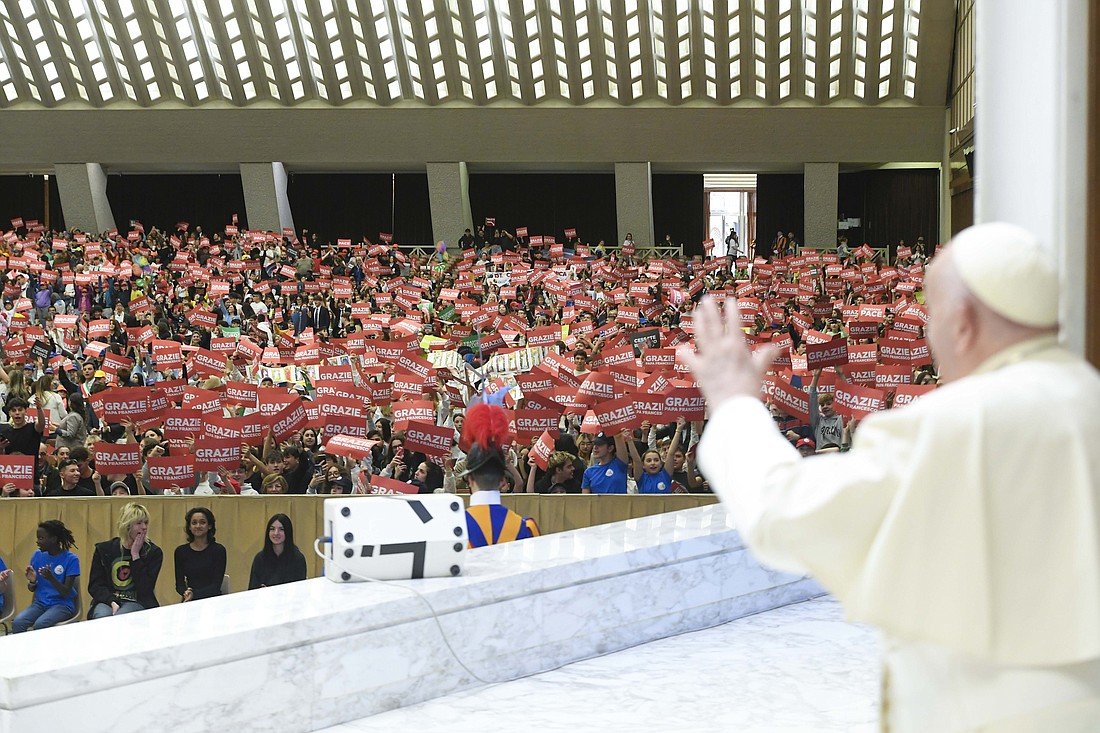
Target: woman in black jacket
{"points": [[124, 570], [280, 561]]}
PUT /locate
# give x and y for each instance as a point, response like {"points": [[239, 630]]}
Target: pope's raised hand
{"points": [[723, 364]]}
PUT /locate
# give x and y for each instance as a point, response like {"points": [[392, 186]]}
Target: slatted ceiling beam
{"points": [[897, 53], [157, 58], [32, 74], [721, 50], [571, 36], [416, 53], [796, 88], [649, 52], [821, 58], [225, 53], [361, 74], [467, 39], [696, 56], [312, 13], [874, 38], [301, 23], [374, 57], [744, 50], [449, 48], [250, 38], [597, 55], [58, 38]]}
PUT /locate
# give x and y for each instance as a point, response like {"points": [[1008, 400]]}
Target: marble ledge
{"points": [[360, 649]]}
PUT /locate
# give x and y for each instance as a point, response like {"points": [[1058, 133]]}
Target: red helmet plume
{"points": [[486, 426]]}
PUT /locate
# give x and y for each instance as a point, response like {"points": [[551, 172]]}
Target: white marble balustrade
{"points": [[310, 655]]}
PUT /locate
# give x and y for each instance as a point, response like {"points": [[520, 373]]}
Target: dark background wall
{"points": [[780, 205], [547, 203], [206, 200], [893, 205], [354, 205], [22, 196], [678, 210]]}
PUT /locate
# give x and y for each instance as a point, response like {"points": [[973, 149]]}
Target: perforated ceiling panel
{"points": [[195, 53]]}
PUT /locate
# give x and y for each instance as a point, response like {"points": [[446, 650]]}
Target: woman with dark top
{"points": [[280, 561], [200, 563], [124, 571]]}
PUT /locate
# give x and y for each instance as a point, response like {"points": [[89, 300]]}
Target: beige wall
{"points": [[749, 138]]}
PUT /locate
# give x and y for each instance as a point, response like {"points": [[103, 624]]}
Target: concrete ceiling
{"points": [[274, 79]]}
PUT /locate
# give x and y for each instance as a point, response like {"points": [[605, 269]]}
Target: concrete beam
{"points": [[266, 204], [449, 196], [634, 202], [819, 198], [83, 190]]}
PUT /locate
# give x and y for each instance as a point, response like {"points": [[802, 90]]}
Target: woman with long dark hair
{"points": [[280, 561]]}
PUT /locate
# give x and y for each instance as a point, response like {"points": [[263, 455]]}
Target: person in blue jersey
{"points": [[486, 435], [51, 576], [607, 475], [654, 475]]}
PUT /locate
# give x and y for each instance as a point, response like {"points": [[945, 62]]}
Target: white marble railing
{"points": [[309, 655]]}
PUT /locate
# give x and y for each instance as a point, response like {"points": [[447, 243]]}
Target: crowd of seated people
{"points": [[244, 362]]}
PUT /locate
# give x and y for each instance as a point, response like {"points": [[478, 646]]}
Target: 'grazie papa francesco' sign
{"points": [[17, 470]]}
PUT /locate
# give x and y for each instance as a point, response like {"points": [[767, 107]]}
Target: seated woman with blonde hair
{"points": [[124, 571]]}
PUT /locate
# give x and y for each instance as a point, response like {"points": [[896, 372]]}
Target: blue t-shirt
{"points": [[655, 483], [609, 478], [62, 566]]}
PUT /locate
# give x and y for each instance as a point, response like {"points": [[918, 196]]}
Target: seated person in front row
{"points": [[485, 438], [124, 570]]}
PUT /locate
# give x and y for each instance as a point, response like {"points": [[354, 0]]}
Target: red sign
{"points": [[617, 415], [289, 420], [350, 447], [18, 470], [382, 485], [530, 423], [858, 402], [117, 457], [168, 472], [429, 438], [542, 449], [827, 354], [214, 453], [412, 411]]}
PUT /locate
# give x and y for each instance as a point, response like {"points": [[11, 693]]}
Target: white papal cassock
{"points": [[966, 526]]}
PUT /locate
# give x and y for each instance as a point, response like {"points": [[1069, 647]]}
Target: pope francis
{"points": [[966, 526]]}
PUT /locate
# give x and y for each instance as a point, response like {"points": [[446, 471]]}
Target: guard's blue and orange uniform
{"points": [[491, 524]]}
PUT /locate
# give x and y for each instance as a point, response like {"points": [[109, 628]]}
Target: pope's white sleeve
{"points": [[816, 515]]}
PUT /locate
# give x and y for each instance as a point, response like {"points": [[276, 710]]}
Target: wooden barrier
{"points": [[242, 521]]}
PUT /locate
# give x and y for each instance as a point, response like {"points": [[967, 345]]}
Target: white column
{"points": [[449, 198], [1030, 132], [634, 202], [265, 201], [83, 191], [819, 201]]}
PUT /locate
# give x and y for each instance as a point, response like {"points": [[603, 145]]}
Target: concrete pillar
{"points": [[634, 202], [449, 197], [819, 199], [1031, 164], [83, 190], [266, 204]]}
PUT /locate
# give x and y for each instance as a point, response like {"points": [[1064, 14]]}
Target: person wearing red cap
{"points": [[806, 447]]}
